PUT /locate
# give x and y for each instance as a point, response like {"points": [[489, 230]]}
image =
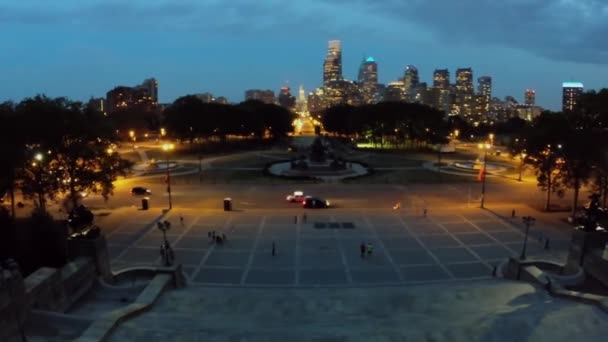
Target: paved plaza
{"points": [[409, 248]]}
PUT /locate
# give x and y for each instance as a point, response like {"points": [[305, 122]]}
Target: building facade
{"points": [[411, 81], [571, 91], [332, 67], [266, 96], [368, 80]]}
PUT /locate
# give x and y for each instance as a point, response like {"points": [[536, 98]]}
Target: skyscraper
{"points": [[464, 80], [410, 80], [332, 67], [150, 85], [530, 97], [485, 95], [368, 79], [441, 79], [571, 92]]}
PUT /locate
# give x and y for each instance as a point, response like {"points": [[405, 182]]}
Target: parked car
{"points": [[315, 202], [140, 190], [297, 196]]}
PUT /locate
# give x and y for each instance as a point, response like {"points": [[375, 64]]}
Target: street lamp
{"points": [[167, 148], [38, 179], [528, 221], [132, 135], [491, 136], [166, 251], [485, 147]]}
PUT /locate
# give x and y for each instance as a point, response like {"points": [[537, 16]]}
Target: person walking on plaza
{"points": [[274, 249], [424, 212], [370, 249], [295, 219], [362, 249], [513, 213], [181, 219]]}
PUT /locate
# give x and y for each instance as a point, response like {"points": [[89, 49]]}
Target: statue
{"points": [[317, 151]]}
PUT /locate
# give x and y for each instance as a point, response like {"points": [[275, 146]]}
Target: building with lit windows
{"points": [[464, 95], [441, 79], [342, 92], [368, 80], [571, 92], [440, 93], [266, 96], [395, 91], [530, 97], [410, 81], [484, 91], [142, 97], [286, 99], [332, 67], [316, 102]]}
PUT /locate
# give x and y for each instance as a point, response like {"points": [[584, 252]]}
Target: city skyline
{"points": [[102, 45]]}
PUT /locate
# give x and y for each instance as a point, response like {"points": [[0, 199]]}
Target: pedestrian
{"points": [[362, 248], [304, 218], [209, 235], [424, 212], [274, 249], [369, 249], [513, 213], [181, 219], [295, 219]]}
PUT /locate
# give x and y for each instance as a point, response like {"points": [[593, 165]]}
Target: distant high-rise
{"points": [[286, 99], [464, 80], [368, 79], [410, 80], [150, 85], [141, 97], [266, 96], [530, 97], [571, 93], [485, 95], [395, 91], [441, 79], [332, 67]]}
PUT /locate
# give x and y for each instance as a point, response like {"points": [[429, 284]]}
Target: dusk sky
{"points": [[83, 48]]}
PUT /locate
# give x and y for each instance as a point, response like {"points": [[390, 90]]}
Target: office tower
{"points": [[395, 91], [484, 91], [464, 97], [301, 102], [332, 67], [440, 92], [441, 79], [530, 97], [368, 80], [342, 92], [316, 102], [464, 80], [266, 96], [410, 81], [571, 93], [286, 99]]}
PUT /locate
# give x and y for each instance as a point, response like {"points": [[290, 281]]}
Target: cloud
{"points": [[569, 30]]}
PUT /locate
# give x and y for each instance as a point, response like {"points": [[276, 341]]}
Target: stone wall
{"points": [[13, 307]]}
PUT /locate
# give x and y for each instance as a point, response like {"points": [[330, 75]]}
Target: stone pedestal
{"points": [[97, 249], [581, 245]]}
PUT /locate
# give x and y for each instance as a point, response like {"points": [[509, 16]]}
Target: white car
{"points": [[298, 196]]}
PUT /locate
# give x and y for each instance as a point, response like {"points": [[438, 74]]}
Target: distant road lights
{"points": [[132, 135], [491, 136], [163, 132]]}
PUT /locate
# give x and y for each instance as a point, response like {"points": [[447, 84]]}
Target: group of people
{"points": [[216, 238], [366, 249]]}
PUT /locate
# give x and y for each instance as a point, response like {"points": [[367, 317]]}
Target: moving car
{"points": [[297, 196], [315, 202], [140, 190]]}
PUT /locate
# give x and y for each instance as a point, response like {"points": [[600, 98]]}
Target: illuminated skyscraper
{"points": [[368, 79], [410, 80], [441, 79], [464, 81], [332, 68], [530, 97], [485, 95], [571, 92]]}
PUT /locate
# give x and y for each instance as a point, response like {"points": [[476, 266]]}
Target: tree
{"points": [[12, 150], [74, 149]]}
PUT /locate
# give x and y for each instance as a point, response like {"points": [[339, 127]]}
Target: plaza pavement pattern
{"points": [[409, 248]]}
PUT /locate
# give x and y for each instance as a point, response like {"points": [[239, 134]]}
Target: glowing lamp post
{"points": [[167, 148], [528, 221]]}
